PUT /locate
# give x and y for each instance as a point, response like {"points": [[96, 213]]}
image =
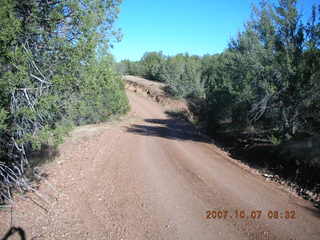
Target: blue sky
{"points": [[179, 26]]}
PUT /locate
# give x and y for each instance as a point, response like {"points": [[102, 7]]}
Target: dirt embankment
{"points": [[154, 91], [150, 176], [294, 164]]}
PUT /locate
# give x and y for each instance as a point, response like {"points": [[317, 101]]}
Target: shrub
{"points": [[51, 76]]}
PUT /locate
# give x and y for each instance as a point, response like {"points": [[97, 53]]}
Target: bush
{"points": [[152, 64], [220, 105], [52, 79]]}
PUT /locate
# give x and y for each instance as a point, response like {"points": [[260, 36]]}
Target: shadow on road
{"points": [[168, 128], [14, 230]]}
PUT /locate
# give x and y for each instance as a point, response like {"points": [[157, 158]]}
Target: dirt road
{"points": [[152, 177]]}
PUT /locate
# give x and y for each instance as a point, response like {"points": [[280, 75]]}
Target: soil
{"points": [[150, 176]]}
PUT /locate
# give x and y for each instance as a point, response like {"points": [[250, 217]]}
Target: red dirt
{"points": [[152, 177]]}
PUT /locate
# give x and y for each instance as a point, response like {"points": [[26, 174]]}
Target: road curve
{"points": [[154, 178]]}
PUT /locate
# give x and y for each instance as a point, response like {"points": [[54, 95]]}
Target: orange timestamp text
{"points": [[251, 214]]}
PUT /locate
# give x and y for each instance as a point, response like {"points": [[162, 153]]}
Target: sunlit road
{"points": [[153, 178]]}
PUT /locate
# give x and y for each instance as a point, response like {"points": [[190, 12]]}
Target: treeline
{"points": [[54, 73], [266, 82], [268, 77], [182, 73]]}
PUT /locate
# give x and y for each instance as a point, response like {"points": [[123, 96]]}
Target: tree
{"points": [[152, 62], [283, 35], [51, 75], [271, 70], [131, 68]]}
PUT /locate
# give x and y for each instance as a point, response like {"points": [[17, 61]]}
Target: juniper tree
{"points": [[51, 76]]}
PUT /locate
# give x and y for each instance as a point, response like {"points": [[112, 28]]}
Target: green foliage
{"points": [[127, 67], [275, 140], [3, 118], [268, 71], [267, 78], [9, 24], [182, 73], [219, 108], [54, 72], [152, 63], [101, 96], [266, 84]]}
